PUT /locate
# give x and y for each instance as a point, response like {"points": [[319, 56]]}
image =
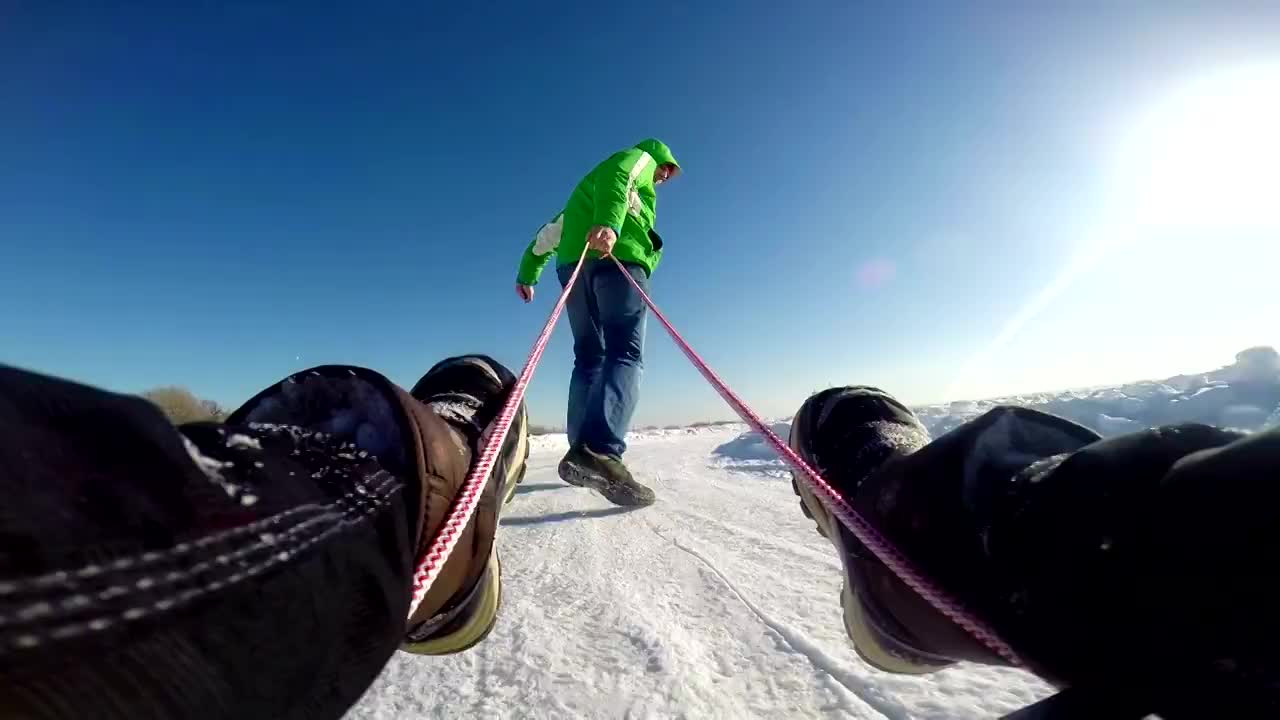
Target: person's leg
{"points": [[594, 461], [588, 349], [932, 499], [273, 554], [622, 315], [1066, 544]]}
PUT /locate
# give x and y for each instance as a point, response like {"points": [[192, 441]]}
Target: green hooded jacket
{"points": [[619, 193]]}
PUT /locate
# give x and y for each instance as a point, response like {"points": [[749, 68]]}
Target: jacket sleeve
{"points": [[614, 181], [539, 252]]}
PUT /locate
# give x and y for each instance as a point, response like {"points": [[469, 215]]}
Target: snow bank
{"points": [[1256, 364], [1107, 425], [752, 445], [750, 452], [549, 442], [1243, 395], [559, 442]]}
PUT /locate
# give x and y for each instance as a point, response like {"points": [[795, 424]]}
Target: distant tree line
{"points": [[181, 405]]}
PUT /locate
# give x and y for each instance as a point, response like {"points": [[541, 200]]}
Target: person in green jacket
{"points": [[612, 210]]}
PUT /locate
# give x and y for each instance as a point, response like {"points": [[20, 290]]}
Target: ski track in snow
{"points": [[865, 692], [719, 601]]}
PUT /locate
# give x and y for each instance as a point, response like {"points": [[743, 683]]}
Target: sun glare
{"points": [[1200, 165], [1209, 154]]}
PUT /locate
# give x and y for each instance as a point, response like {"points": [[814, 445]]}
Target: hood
{"points": [[659, 150]]}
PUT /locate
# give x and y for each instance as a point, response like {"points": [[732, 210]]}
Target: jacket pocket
{"points": [[655, 240]]}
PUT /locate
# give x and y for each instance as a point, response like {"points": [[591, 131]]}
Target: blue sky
{"points": [[214, 197]]}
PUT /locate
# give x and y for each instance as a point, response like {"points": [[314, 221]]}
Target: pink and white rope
{"points": [[446, 539], [473, 487], [879, 545]]}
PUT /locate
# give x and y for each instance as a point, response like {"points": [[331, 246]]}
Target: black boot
{"points": [[606, 474], [846, 434]]}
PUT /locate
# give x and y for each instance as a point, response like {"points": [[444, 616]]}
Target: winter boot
{"points": [[273, 552], [940, 503], [607, 475], [431, 437], [468, 392], [846, 434]]}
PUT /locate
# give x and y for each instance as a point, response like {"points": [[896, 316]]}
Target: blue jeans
{"points": [[607, 316]]}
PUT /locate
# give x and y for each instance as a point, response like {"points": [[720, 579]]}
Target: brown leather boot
{"points": [[432, 438]]}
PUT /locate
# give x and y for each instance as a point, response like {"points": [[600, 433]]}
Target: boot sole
{"points": [[579, 476], [520, 462], [477, 626]]}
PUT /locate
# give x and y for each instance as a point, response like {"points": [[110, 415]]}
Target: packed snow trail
{"points": [[719, 601]]}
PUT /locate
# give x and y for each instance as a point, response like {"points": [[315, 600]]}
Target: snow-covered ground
{"points": [[721, 601]]}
